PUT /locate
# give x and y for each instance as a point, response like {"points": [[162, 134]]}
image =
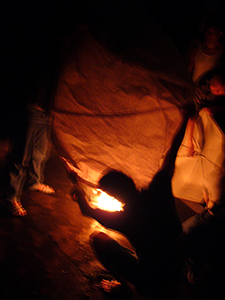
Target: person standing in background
{"points": [[207, 54]]}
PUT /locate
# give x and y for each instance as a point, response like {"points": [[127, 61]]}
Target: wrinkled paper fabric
{"points": [[118, 110]]}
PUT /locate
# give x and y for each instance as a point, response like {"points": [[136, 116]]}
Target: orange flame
{"points": [[103, 201]]}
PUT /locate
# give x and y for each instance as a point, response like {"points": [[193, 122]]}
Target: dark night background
{"points": [[33, 34]]}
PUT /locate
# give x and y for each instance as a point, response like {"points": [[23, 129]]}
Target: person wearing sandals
{"points": [[150, 222], [26, 167]]}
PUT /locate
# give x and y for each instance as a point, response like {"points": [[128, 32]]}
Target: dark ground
{"points": [[46, 255]]}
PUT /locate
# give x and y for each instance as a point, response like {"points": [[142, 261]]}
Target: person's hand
{"points": [[190, 149]]}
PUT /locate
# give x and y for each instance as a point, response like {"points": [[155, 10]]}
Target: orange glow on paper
{"points": [[103, 201]]}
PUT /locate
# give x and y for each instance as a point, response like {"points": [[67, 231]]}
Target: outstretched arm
{"points": [[190, 59], [169, 161]]}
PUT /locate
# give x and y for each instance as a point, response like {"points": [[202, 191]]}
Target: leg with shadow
{"points": [[121, 262]]}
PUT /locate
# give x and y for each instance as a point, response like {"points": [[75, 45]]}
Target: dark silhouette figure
{"points": [[149, 221]]}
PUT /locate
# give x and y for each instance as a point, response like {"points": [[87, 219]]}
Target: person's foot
{"points": [[44, 188], [116, 289], [16, 208], [110, 286]]}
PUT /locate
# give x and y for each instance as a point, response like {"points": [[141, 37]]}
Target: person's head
{"points": [[119, 185], [212, 34], [217, 85]]}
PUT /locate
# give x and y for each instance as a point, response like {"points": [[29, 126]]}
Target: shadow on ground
{"points": [[46, 255]]}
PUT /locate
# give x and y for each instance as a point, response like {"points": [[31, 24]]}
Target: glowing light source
{"points": [[103, 201]]}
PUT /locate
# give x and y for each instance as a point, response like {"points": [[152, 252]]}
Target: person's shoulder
{"points": [[192, 48]]}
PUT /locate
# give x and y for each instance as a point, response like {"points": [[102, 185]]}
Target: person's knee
{"points": [[98, 237], [98, 240]]}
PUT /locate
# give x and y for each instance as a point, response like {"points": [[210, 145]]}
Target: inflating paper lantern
{"points": [[119, 108]]}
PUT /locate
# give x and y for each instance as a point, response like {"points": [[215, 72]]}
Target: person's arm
{"points": [[169, 161], [190, 131], [191, 60]]}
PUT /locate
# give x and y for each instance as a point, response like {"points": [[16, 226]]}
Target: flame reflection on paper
{"points": [[103, 201]]}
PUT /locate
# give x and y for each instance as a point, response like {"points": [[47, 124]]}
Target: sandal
{"points": [[17, 209], [44, 188]]}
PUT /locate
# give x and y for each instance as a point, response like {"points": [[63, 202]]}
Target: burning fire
{"points": [[103, 201]]}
